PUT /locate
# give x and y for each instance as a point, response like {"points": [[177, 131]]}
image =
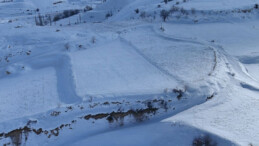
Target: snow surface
{"points": [[119, 75], [28, 94], [218, 4], [115, 69]]}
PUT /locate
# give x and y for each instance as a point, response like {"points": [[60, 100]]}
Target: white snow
{"points": [[218, 4], [232, 115], [29, 94], [160, 83], [253, 70], [116, 69]]}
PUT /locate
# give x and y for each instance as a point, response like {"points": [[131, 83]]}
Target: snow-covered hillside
{"points": [[129, 72]]}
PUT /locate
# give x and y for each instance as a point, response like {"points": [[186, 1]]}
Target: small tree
{"points": [[164, 14], [39, 21], [50, 20]]}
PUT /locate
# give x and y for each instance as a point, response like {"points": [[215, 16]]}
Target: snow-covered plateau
{"points": [[129, 72]]}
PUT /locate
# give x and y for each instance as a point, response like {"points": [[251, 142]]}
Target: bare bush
{"points": [[65, 14], [193, 11], [88, 8], [143, 15], [137, 11], [109, 14], [174, 9], [204, 141], [164, 14]]}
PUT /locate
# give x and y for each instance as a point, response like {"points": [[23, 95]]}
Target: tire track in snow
{"points": [[214, 48], [172, 38], [151, 28]]}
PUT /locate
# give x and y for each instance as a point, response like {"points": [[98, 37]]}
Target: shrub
{"points": [[8, 72], [193, 11], [57, 17], [88, 8], [179, 92], [203, 141], [39, 20], [174, 9], [65, 14], [109, 14], [164, 14], [183, 11], [137, 11], [143, 14]]}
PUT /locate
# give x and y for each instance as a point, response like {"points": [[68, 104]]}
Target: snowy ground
{"points": [[117, 74]]}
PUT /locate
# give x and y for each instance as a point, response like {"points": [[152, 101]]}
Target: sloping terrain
{"points": [[133, 72]]}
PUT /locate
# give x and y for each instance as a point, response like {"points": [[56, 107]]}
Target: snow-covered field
{"points": [[113, 72]]}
